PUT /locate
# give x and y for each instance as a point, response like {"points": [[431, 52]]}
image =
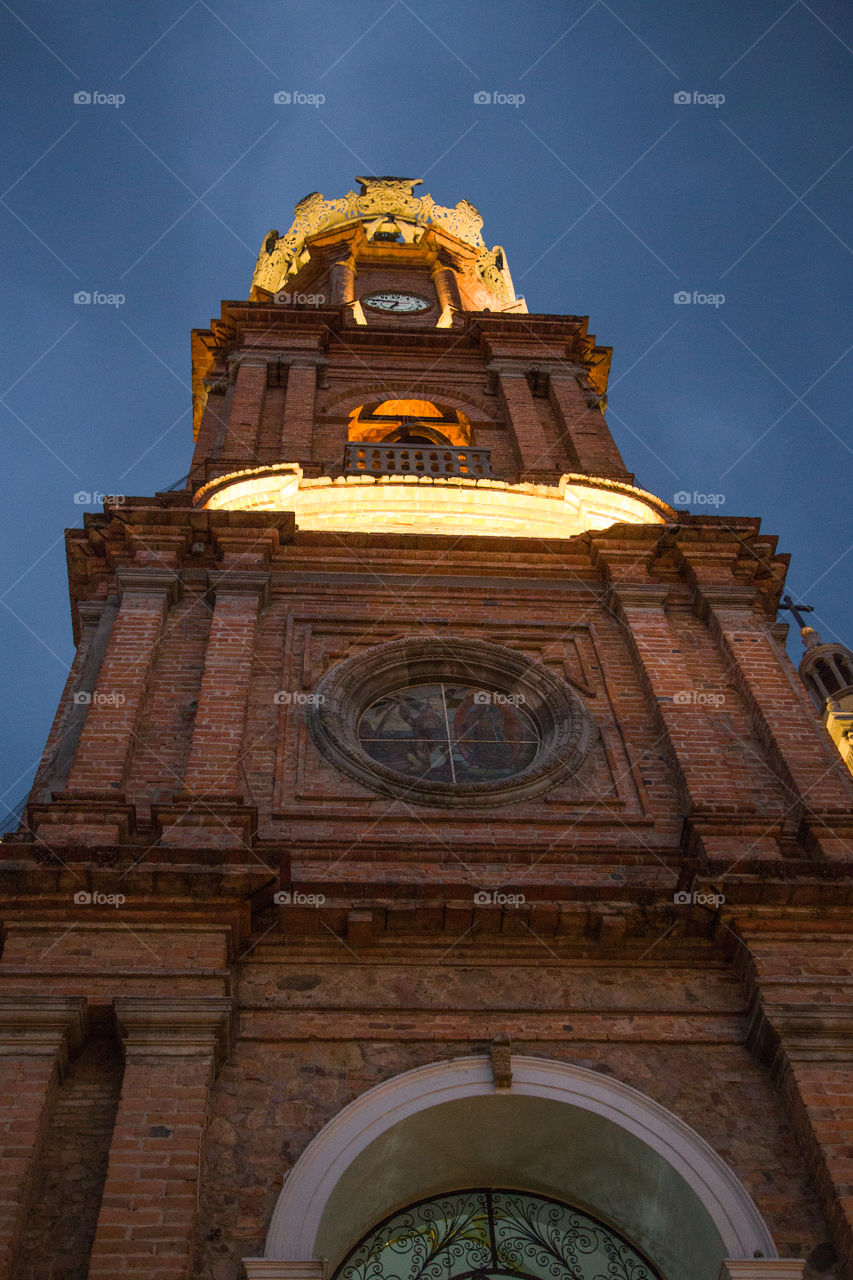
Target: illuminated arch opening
{"points": [[409, 421]]}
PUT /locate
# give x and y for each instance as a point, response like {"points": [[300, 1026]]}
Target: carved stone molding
{"points": [[500, 1053], [176, 1026], [562, 722], [636, 595], [43, 1025], [762, 1269], [271, 1269], [242, 582], [147, 581]]}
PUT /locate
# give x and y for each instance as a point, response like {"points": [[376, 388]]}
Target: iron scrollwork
{"points": [[489, 1234]]}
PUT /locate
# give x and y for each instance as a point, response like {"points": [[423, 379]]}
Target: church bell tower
{"points": [[434, 855]]}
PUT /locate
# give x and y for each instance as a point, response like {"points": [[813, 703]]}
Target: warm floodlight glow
{"points": [[447, 505]]}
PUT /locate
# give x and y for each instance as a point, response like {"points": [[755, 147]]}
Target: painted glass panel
{"points": [[450, 733]]}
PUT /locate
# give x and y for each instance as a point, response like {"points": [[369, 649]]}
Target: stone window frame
{"points": [[351, 686]]}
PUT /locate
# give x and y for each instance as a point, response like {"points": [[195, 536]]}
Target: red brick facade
{"points": [[182, 787]]}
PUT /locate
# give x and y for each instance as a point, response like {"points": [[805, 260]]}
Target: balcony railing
{"points": [[363, 458]]}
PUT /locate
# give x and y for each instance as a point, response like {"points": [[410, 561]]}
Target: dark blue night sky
{"points": [[609, 195]]}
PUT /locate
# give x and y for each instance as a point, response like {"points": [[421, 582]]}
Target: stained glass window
{"points": [[486, 1234], [450, 733]]}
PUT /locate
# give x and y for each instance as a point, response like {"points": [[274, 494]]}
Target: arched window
{"points": [[827, 676], [490, 1234], [844, 669]]}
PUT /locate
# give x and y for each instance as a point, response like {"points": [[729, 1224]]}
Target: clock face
{"points": [[396, 302]]}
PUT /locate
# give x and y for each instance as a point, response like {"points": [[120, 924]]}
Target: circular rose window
{"points": [[449, 721], [450, 733]]}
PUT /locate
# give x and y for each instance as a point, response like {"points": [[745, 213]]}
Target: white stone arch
{"points": [[372, 1159]]}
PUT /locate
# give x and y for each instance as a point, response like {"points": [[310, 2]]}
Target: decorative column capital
{"points": [[176, 1026], [636, 595], [240, 582], [275, 1269], [148, 582], [762, 1269], [43, 1025]]}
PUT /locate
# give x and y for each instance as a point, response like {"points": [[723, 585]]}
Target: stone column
{"points": [[535, 450], [37, 1035], [173, 1049]]}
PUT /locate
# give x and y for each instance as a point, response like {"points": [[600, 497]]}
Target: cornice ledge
{"points": [[781, 1035], [33, 1024]]}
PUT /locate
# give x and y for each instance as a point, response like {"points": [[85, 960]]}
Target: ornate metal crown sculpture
{"points": [[380, 200]]}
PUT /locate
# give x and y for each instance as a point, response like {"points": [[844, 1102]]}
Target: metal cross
{"points": [[796, 609]]}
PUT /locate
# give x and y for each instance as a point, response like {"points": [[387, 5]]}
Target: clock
{"points": [[398, 303]]}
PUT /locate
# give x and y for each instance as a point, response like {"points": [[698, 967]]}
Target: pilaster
{"points": [[723, 824], [819, 785], [92, 809], [173, 1050], [37, 1035], [215, 812], [536, 453], [582, 424]]}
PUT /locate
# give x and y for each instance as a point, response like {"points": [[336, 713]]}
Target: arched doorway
{"points": [[560, 1133]]}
